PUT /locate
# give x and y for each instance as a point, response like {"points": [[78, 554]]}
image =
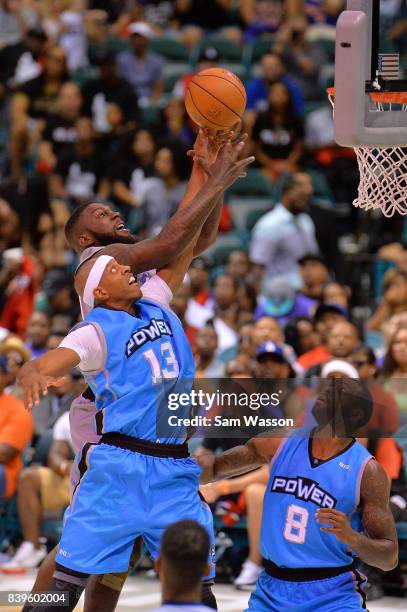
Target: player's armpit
{"points": [[380, 547]]}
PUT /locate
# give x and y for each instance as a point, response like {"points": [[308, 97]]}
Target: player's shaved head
{"points": [[96, 224]]}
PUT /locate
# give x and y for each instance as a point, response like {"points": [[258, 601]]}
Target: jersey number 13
{"points": [[171, 367]]}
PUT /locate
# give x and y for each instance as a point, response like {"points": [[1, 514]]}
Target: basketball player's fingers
{"points": [[36, 393], [28, 401], [326, 512], [243, 163], [329, 530]]}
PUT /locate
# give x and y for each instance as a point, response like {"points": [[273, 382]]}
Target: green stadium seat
{"points": [[150, 116], [225, 244], [169, 83], [170, 49], [320, 185], [254, 184], [328, 46], [254, 50], [245, 211]]}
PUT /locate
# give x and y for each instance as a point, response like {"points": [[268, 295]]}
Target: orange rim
{"points": [[380, 97]]}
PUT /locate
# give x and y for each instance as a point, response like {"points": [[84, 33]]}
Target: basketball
{"points": [[215, 98]]}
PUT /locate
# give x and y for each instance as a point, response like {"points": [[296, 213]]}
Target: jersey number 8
{"points": [[296, 521]]}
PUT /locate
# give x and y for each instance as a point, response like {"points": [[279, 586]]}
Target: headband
{"points": [[338, 365], [93, 280]]}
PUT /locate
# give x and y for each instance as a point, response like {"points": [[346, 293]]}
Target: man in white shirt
{"points": [[285, 234]]}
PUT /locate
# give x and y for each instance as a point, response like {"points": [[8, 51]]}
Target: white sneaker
{"points": [[248, 576], [27, 556]]}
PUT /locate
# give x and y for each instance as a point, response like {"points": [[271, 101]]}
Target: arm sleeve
{"points": [[157, 290], [86, 343]]}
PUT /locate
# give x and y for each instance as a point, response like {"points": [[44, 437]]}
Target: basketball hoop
{"points": [[383, 170]]}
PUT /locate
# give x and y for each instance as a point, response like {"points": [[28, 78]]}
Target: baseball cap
{"points": [[271, 348], [330, 307], [209, 54], [141, 28]]}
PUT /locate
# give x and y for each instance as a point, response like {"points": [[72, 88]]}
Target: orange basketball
{"points": [[215, 98]]}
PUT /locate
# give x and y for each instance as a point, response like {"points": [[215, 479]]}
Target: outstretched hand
{"points": [[227, 167], [208, 144], [34, 384]]}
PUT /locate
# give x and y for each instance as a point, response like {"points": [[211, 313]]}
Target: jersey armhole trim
{"points": [[102, 339], [359, 480]]}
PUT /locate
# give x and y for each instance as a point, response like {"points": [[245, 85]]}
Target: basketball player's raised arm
{"points": [[37, 375], [190, 217], [238, 460], [379, 546]]}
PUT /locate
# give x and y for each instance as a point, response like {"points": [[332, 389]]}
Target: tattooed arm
{"points": [[379, 547], [238, 460]]}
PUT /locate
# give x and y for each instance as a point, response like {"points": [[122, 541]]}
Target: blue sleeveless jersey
{"points": [[146, 358], [290, 535]]}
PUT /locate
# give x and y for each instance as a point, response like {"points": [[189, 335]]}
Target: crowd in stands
{"points": [[299, 284]]}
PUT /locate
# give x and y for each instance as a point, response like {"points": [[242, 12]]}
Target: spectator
{"points": [[244, 348], [334, 293], [326, 316], [59, 298], [238, 368], [173, 168], [225, 321], [53, 405], [135, 183], [197, 16], [247, 302], [79, 174], [261, 17], [181, 565], [301, 58], [342, 341], [14, 19], [201, 304], [272, 362], [38, 330], [22, 61], [209, 57], [179, 305], [395, 370], [385, 418], [107, 89], [140, 67], [238, 264], [60, 130], [175, 123], [394, 299], [32, 103], [301, 335], [272, 71], [281, 301], [17, 354], [16, 428], [206, 364], [278, 134], [285, 234], [314, 274], [42, 489], [17, 289]]}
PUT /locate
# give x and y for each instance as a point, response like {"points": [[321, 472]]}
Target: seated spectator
{"points": [[18, 285], [107, 89], [135, 183], [251, 488], [301, 335], [279, 300], [261, 17], [38, 330], [394, 370], [42, 489], [394, 299], [302, 59], [342, 341], [334, 293], [60, 302], [206, 363], [175, 123], [285, 234], [17, 354], [16, 429], [278, 134], [225, 320], [80, 173], [60, 130], [238, 264], [247, 301], [15, 18], [272, 71], [32, 103], [173, 167], [197, 16], [325, 317], [244, 348], [385, 419], [57, 401], [200, 304], [209, 57], [22, 61], [314, 274], [238, 368], [181, 565], [140, 67]]}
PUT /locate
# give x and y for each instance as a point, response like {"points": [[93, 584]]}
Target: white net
{"points": [[383, 171]]}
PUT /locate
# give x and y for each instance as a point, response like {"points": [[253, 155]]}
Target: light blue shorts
{"points": [[122, 495], [341, 593]]}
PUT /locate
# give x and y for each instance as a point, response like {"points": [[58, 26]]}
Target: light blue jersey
{"points": [[146, 358], [298, 487]]}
